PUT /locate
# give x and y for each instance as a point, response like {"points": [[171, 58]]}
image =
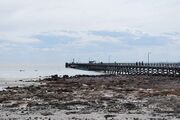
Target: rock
{"points": [[109, 116], [130, 106], [54, 77], [46, 113], [65, 76]]}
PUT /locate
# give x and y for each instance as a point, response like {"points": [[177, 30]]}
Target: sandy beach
{"points": [[94, 97]]}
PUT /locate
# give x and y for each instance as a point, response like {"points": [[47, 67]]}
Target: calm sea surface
{"points": [[11, 74]]}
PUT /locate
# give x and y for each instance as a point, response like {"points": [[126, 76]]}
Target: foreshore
{"points": [[94, 97]]}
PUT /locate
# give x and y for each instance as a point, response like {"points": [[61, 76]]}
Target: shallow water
{"points": [[11, 74]]}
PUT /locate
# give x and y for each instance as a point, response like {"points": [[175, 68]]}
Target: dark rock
{"points": [[54, 77], [109, 116], [130, 106], [46, 113], [65, 76]]}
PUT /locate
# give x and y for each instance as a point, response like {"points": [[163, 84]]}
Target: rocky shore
{"points": [[87, 97]]}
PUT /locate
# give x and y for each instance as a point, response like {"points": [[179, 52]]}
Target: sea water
{"points": [[14, 75]]}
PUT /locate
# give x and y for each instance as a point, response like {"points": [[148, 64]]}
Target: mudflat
{"points": [[94, 97]]}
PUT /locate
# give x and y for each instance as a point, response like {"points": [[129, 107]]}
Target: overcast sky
{"points": [[56, 31]]}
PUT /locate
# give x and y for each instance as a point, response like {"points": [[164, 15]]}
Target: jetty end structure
{"points": [[165, 69]]}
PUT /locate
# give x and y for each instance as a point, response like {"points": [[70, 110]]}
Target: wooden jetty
{"points": [[165, 69]]}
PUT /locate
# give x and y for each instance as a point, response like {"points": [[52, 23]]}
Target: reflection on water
{"points": [[11, 74]]}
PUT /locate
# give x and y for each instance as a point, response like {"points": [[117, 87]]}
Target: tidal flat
{"points": [[94, 97]]}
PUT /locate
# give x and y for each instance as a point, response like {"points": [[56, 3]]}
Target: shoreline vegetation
{"points": [[94, 97]]}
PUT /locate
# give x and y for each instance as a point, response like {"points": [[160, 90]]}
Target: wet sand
{"points": [[98, 97]]}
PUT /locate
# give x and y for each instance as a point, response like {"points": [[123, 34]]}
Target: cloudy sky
{"points": [[56, 31]]}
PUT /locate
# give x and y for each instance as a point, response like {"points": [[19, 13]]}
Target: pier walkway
{"points": [[166, 69]]}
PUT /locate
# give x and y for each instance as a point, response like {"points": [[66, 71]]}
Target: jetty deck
{"points": [[165, 69]]}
